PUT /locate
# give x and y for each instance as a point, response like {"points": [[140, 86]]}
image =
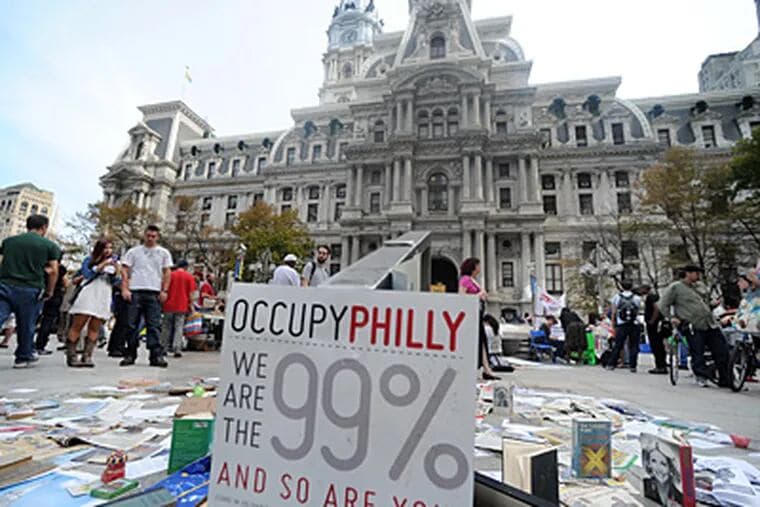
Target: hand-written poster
{"points": [[343, 397]]}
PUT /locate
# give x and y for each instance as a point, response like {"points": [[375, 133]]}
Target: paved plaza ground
{"points": [[733, 412]]}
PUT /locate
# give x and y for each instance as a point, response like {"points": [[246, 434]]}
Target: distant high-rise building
{"points": [[17, 202]]}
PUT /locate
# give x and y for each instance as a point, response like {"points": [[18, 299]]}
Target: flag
{"points": [[188, 77]]}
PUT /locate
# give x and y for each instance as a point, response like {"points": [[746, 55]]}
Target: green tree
{"points": [[266, 233], [745, 188]]}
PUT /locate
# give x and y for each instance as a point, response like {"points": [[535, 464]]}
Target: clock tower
{"points": [[353, 28]]}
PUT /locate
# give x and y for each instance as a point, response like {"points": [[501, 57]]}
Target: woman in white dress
{"points": [[92, 303]]}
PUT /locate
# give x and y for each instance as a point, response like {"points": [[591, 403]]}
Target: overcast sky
{"points": [[73, 71]]}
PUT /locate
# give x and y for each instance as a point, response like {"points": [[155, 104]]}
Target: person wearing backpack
{"points": [[316, 272], [625, 311]]}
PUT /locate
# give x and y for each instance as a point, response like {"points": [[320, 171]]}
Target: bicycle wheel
{"points": [[738, 364], [673, 360]]}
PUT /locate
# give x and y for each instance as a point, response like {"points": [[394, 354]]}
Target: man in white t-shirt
{"points": [[286, 275], [146, 273]]}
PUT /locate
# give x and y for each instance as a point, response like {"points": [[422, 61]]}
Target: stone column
{"points": [[568, 203], [466, 177], [478, 170], [490, 188], [408, 179], [452, 204], [525, 259], [493, 269], [350, 186], [534, 180], [465, 111], [409, 116], [476, 107], [324, 205], [424, 197], [387, 193], [355, 248], [480, 250], [604, 206], [359, 192], [397, 180], [300, 206], [540, 259], [140, 199], [345, 260], [466, 244], [523, 175], [399, 116], [487, 119]]}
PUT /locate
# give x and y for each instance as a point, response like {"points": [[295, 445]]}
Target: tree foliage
{"points": [[123, 224], [264, 232]]}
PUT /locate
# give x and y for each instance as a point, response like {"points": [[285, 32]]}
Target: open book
{"points": [[532, 468]]}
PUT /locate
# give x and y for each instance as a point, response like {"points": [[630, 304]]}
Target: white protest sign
{"points": [[345, 398]]}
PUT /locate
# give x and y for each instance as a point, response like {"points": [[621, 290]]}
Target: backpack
{"points": [[627, 309]]}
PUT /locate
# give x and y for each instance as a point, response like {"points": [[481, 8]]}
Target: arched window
{"points": [[438, 193], [437, 47], [379, 131], [453, 121], [34, 209], [423, 125], [23, 207], [438, 123], [348, 71]]}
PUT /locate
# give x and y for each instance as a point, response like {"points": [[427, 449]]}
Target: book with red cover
{"points": [[668, 470]]}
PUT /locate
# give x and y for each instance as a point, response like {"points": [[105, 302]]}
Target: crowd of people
{"points": [[144, 294], [636, 313]]}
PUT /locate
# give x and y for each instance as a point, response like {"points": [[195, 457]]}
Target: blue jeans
{"points": [[626, 333], [25, 303], [145, 304]]}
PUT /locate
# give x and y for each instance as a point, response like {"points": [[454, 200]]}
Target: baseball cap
{"points": [[691, 268], [290, 258]]}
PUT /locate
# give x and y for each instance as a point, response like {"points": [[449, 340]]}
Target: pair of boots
{"points": [[71, 354]]}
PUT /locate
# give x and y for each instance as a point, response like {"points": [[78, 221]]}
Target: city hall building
{"points": [[439, 128]]}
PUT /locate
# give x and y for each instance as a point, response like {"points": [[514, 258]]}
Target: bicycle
{"points": [[743, 359], [676, 346]]}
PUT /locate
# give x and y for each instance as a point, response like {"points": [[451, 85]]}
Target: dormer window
{"points": [[139, 150], [581, 138], [437, 47], [618, 134], [708, 134]]}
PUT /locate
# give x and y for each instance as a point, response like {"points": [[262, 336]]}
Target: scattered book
{"points": [[503, 399], [113, 489], [592, 448], [668, 470], [531, 467]]}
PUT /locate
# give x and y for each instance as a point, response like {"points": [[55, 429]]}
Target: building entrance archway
{"points": [[445, 272]]}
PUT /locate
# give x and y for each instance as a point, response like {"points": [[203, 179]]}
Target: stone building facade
{"points": [[17, 202], [434, 128]]}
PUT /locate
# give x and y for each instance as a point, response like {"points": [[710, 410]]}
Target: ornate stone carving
{"points": [[437, 85]]}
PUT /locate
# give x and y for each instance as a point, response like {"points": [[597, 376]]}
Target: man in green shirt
{"points": [[688, 305], [28, 274]]}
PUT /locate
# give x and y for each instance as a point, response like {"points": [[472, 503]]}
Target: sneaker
{"points": [[609, 368], [658, 371], [127, 361], [177, 354], [19, 364], [44, 352], [633, 370], [702, 382], [116, 353]]}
